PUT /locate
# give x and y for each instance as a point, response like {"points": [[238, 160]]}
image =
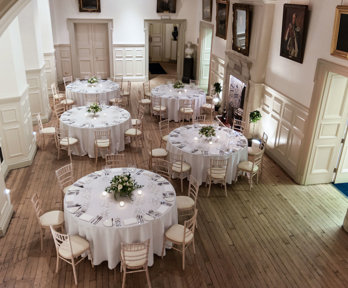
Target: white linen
{"points": [[106, 241], [82, 125], [172, 98], [104, 90], [197, 151]]}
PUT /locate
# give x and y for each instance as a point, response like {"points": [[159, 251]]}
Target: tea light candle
{"points": [[210, 142], [218, 137], [86, 114], [104, 193], [185, 90], [195, 138], [121, 203], [104, 114], [140, 192]]}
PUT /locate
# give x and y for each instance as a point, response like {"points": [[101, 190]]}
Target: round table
{"points": [[82, 92], [172, 98], [99, 218], [82, 125], [197, 151]]}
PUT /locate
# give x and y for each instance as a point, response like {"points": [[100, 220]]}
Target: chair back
{"points": [[156, 101], [128, 88], [161, 167], [218, 166], [238, 125], [146, 87], [177, 161], [187, 103], [39, 122], [135, 253], [67, 80], [189, 227], [141, 112], [59, 109], [61, 241], [115, 160], [193, 189], [65, 176], [119, 81], [102, 135], [37, 205], [163, 127], [257, 159], [54, 89], [263, 141]]}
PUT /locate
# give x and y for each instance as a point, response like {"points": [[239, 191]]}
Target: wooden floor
{"points": [[277, 235]]}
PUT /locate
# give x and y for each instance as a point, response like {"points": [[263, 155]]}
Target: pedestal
{"points": [[188, 70]]}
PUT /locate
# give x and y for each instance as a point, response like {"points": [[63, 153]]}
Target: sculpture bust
{"points": [[175, 33], [188, 50]]}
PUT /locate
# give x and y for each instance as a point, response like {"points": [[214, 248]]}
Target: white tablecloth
{"points": [[227, 144], [106, 240], [82, 125], [172, 98], [104, 90]]}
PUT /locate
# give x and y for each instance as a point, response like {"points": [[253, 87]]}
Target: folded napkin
{"points": [[86, 217], [99, 173], [107, 223], [169, 199], [73, 209], [72, 189], [130, 221], [162, 209], [69, 198], [147, 217]]}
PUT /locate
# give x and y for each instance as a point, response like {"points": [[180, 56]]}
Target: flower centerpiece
{"points": [[254, 117], [207, 131], [94, 108], [178, 85], [92, 80], [122, 186]]}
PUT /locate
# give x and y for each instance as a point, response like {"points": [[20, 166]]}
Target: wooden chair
{"points": [[208, 109], [119, 81], [44, 131], [135, 134], [147, 90], [64, 141], [102, 141], [126, 92], [252, 151], [163, 127], [186, 110], [134, 258], [69, 247], [115, 160], [217, 173], [119, 102], [59, 109], [186, 205], [157, 108], [140, 117], [67, 80], [238, 113], [46, 219], [238, 125], [199, 119], [252, 168], [162, 167], [57, 95], [145, 101], [182, 236], [65, 177], [180, 168], [155, 153], [67, 102]]}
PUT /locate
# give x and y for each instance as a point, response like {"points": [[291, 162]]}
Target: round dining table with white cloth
{"points": [[197, 150], [97, 216], [104, 90], [81, 125], [173, 98]]}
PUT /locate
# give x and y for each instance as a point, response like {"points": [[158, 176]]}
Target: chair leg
{"points": [[96, 155], [183, 257], [57, 263], [91, 256], [74, 271], [194, 247], [209, 187], [41, 238], [148, 277], [182, 184], [124, 278], [225, 188]]}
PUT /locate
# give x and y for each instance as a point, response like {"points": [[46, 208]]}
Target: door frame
{"points": [[203, 25], [323, 69], [72, 37], [180, 48]]}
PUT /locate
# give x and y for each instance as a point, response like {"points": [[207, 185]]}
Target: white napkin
{"points": [[148, 217], [170, 198], [162, 209], [130, 221], [69, 198], [99, 173], [86, 217], [73, 189], [73, 209], [107, 223]]}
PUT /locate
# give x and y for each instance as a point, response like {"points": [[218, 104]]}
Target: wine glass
{"points": [[107, 170]]}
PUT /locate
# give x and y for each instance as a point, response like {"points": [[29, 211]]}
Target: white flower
{"points": [[119, 186]]}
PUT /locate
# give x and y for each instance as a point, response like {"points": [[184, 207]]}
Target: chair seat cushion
{"points": [[247, 166], [64, 141], [115, 100], [176, 167], [208, 106], [103, 143], [78, 246], [53, 218], [135, 255], [67, 101], [159, 152], [147, 94], [176, 233], [126, 94], [217, 173], [165, 137], [184, 202], [159, 108], [254, 151], [48, 130], [132, 132], [145, 101], [186, 110], [58, 96], [65, 189], [136, 122]]}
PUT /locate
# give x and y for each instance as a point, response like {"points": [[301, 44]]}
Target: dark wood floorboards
{"points": [[278, 235]]}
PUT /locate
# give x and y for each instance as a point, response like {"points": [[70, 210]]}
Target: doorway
{"points": [[205, 46]]}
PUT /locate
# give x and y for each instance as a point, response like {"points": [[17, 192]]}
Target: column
{"points": [[17, 141], [47, 43], [34, 61]]}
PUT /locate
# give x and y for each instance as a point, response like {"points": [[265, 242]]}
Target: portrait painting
{"points": [[166, 6], [222, 8], [339, 44], [89, 5], [207, 10], [294, 32]]}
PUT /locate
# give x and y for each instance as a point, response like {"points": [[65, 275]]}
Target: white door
{"points": [[342, 169], [205, 49], [329, 130], [156, 45], [92, 49]]}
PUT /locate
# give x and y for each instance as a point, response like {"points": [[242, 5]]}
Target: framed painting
{"points": [[89, 5], [166, 6], [222, 7], [294, 32], [339, 44], [241, 28], [207, 10]]}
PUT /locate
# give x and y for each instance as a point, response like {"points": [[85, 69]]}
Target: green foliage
{"points": [[94, 108], [207, 131], [92, 80], [178, 85], [254, 116]]}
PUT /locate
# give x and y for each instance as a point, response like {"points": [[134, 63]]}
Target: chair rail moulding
{"points": [[129, 61], [71, 28]]}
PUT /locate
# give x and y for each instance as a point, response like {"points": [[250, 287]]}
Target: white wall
{"points": [[293, 79], [128, 18]]}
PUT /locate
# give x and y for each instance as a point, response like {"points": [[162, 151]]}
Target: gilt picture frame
{"points": [[222, 10], [89, 5], [207, 10], [241, 27], [339, 44], [166, 6]]}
